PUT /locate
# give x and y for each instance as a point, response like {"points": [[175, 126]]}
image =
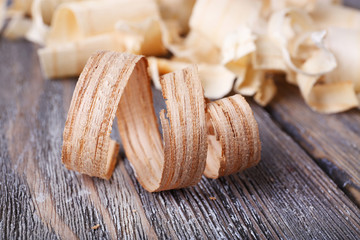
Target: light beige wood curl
{"points": [[117, 84]]}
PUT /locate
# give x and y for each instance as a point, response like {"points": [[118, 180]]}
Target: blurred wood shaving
{"points": [[242, 41]]}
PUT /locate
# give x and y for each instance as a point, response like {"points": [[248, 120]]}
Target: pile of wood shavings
{"points": [[236, 44]]}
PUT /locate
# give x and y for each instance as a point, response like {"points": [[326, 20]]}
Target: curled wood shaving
{"points": [[70, 58], [196, 49], [48, 8], [216, 80], [268, 55], [282, 28], [77, 32], [78, 20], [23, 6], [95, 227], [178, 12], [225, 18], [234, 144], [336, 16], [237, 45], [38, 30], [266, 90], [250, 83], [147, 34], [275, 5], [21, 25], [335, 91], [17, 27], [117, 84]]}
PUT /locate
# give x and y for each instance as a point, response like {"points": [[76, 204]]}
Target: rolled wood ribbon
{"points": [[217, 138]]}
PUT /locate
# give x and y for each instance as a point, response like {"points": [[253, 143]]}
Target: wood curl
{"points": [[215, 139]]}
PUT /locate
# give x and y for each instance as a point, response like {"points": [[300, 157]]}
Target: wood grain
{"points": [[332, 140], [286, 196]]}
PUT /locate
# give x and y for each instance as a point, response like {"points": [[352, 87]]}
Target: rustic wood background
{"points": [[307, 185]]}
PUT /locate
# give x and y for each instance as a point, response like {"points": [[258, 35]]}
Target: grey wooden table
{"points": [[307, 185]]}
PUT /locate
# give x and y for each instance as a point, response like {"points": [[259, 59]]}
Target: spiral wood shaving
{"points": [[217, 139]]}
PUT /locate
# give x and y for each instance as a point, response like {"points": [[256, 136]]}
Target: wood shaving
{"points": [[178, 12], [23, 6], [337, 89], [336, 16], [78, 20], [238, 42], [17, 27], [38, 29], [95, 227], [117, 84], [69, 59], [21, 25], [217, 80], [212, 198], [216, 19]]}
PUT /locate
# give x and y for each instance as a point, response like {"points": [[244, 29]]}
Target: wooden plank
{"points": [[286, 196], [352, 3], [332, 140], [40, 198]]}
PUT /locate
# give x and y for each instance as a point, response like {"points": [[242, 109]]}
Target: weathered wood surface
{"points": [[332, 140], [286, 196], [352, 3]]}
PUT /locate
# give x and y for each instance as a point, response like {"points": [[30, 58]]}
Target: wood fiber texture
{"points": [[332, 140]]}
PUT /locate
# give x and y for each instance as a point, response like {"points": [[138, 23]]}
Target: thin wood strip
{"points": [[240, 147], [118, 84]]}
